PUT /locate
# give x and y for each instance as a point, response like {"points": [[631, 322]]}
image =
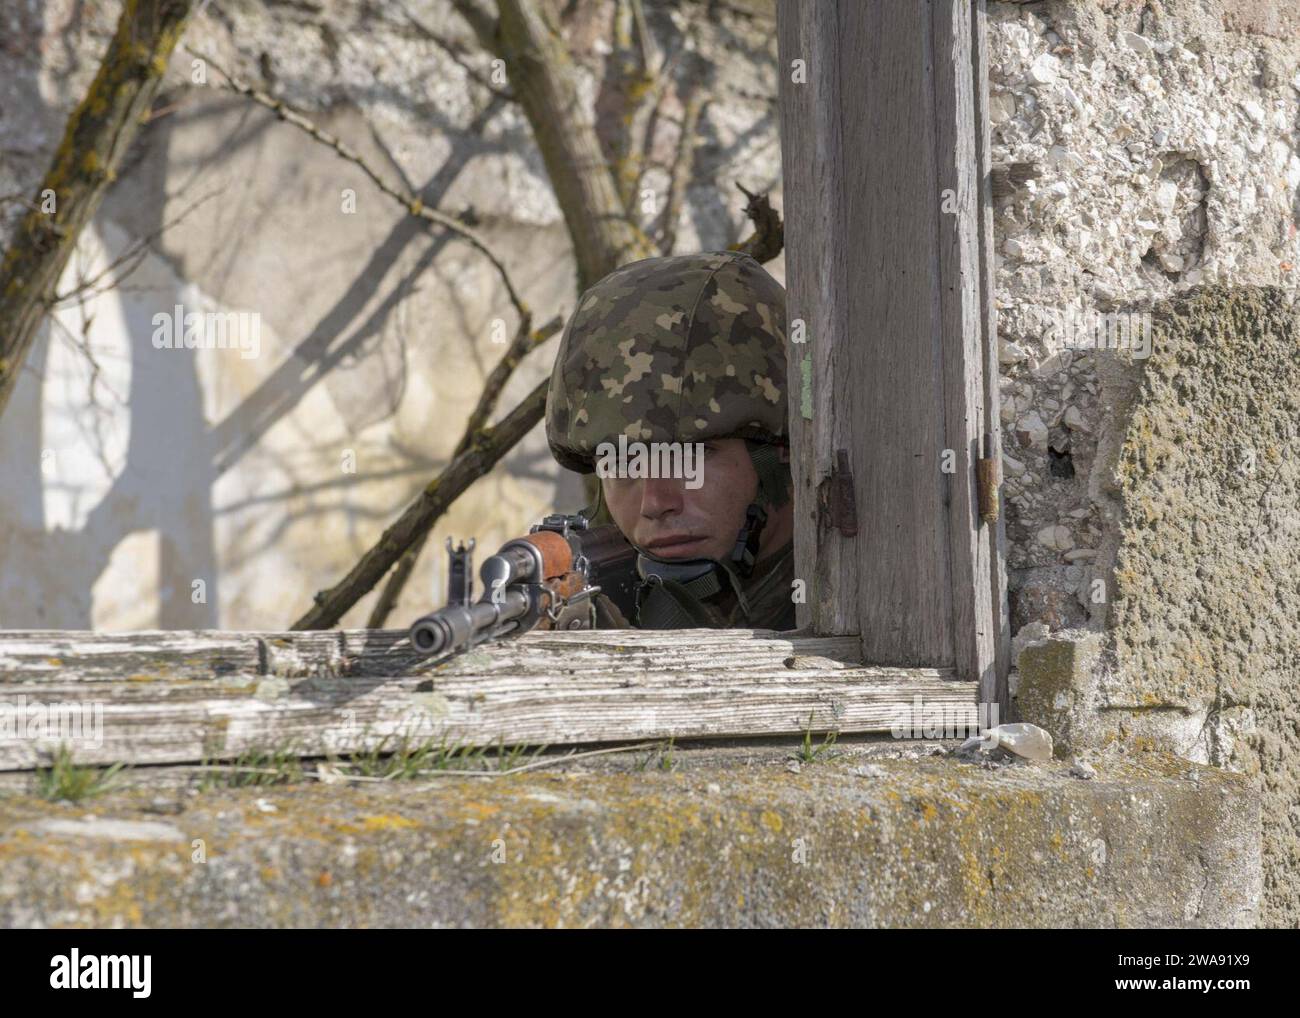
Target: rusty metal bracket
{"points": [[837, 505], [986, 475], [986, 482]]}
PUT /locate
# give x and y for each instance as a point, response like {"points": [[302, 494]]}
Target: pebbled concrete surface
{"points": [[852, 840]]}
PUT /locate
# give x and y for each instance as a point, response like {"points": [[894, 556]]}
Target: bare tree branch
{"points": [[487, 401], [631, 83], [683, 168], [134, 253], [544, 79], [644, 39], [412, 204], [768, 238], [95, 412], [480, 19], [487, 447], [96, 139]]}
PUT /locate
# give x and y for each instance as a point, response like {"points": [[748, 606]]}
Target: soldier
{"points": [[671, 352]]}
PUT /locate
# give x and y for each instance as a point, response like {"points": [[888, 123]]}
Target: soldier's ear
{"points": [[784, 452]]}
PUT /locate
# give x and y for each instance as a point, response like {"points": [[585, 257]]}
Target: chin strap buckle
{"points": [[745, 553]]}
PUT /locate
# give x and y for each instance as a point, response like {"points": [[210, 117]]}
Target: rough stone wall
{"points": [[1164, 139], [1202, 653], [1152, 499]]}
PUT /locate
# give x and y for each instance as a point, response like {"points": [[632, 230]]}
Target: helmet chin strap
{"points": [[670, 586], [745, 552]]}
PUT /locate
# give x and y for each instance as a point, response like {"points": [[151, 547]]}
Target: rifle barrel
{"points": [[457, 626]]}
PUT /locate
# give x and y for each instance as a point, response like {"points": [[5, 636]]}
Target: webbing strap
{"points": [[773, 475], [670, 604]]}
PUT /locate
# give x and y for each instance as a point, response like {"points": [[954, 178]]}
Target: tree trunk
{"points": [[544, 79]]}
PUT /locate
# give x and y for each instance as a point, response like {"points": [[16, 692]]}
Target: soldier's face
{"points": [[664, 517]]}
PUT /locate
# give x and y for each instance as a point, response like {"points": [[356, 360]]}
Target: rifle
{"points": [[546, 580]]}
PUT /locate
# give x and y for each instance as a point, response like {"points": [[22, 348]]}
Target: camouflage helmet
{"points": [[678, 349]]}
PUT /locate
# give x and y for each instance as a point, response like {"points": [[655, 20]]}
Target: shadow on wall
{"points": [[105, 441], [108, 457], [83, 472]]}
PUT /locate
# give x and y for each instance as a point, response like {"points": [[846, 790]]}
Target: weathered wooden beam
{"points": [[173, 697], [883, 152], [993, 682]]}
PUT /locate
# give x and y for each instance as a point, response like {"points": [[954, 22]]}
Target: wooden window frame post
{"points": [[885, 154]]}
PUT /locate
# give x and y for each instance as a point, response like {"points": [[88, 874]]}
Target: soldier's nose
{"points": [[660, 496]]}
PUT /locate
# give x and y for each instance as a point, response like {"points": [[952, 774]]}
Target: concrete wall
{"points": [[856, 840], [1202, 653]]}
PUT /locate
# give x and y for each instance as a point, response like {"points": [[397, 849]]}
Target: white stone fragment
{"points": [[1011, 352], [1065, 160], [1021, 738], [1083, 769], [1031, 430], [1002, 107], [1140, 44], [1044, 70], [1056, 537], [1171, 262]]}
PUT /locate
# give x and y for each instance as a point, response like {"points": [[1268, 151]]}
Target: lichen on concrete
{"points": [[930, 842], [1202, 612], [1205, 609]]}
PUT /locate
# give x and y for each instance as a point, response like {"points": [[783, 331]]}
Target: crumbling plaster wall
{"points": [[1164, 139], [1154, 512], [1202, 653]]}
